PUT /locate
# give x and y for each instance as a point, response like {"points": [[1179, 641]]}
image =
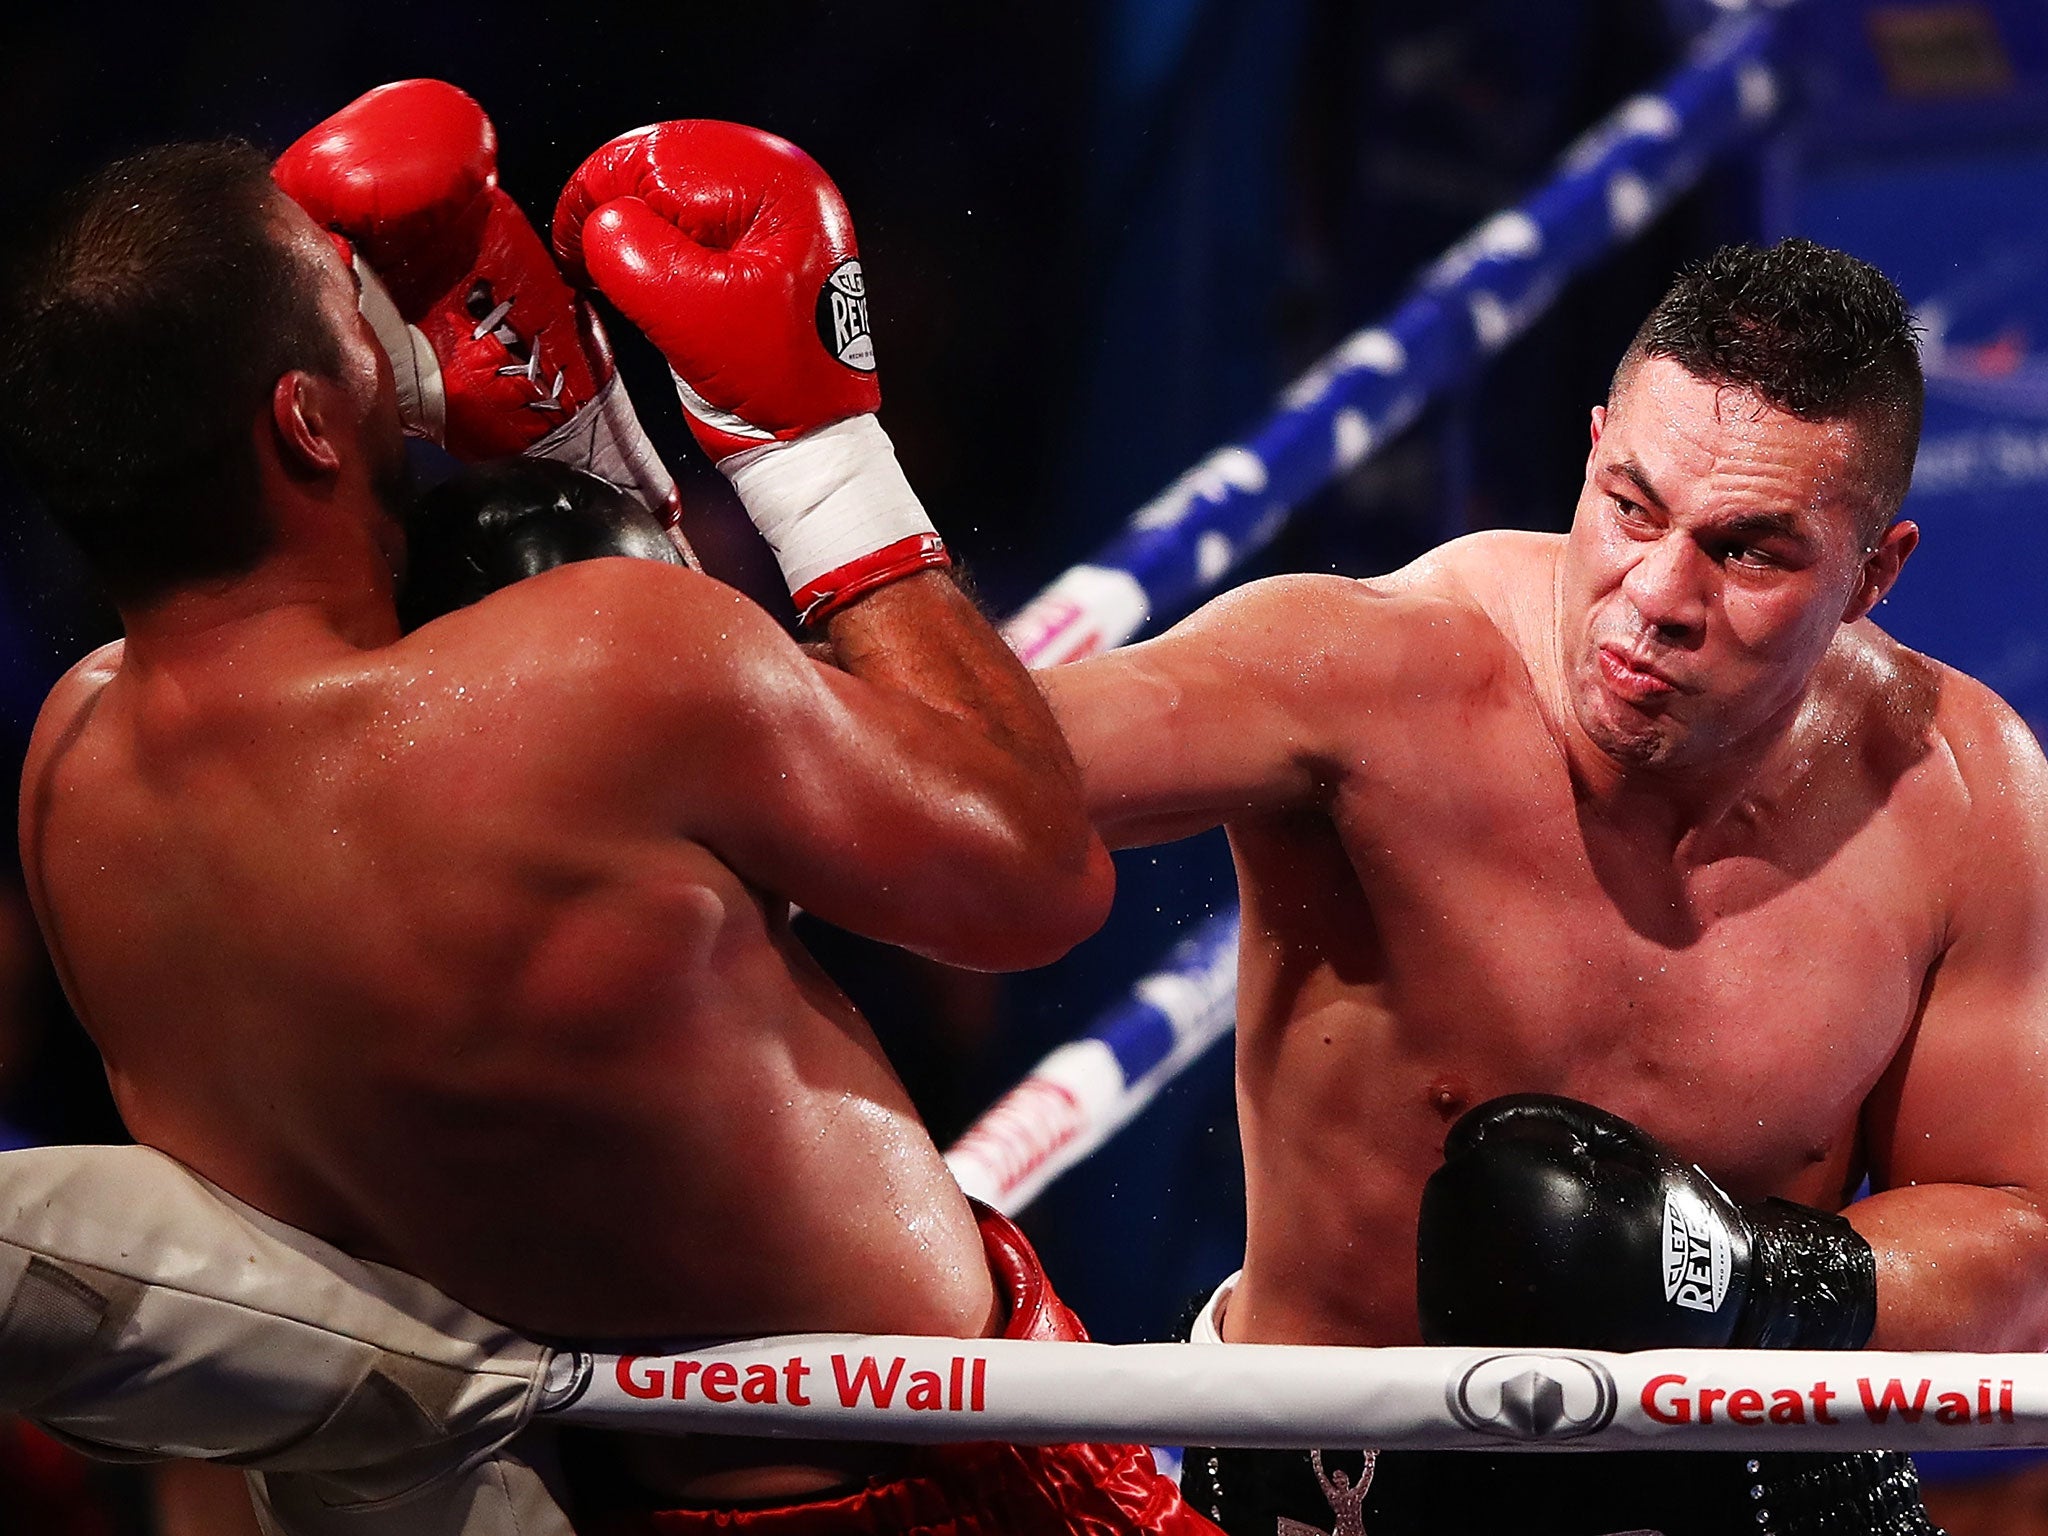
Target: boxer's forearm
{"points": [[1959, 1267], [923, 638]]}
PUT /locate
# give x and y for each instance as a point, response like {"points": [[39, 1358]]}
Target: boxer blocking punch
{"points": [[466, 949], [744, 272], [491, 351]]}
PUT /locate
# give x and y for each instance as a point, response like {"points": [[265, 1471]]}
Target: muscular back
{"points": [[1438, 911], [414, 946]]}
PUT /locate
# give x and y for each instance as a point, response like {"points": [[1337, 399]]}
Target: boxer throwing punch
{"points": [[1650, 815], [466, 949]]}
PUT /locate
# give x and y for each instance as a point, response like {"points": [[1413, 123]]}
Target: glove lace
{"points": [[492, 323]]}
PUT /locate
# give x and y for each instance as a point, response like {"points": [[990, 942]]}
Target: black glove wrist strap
{"points": [[1813, 1281]]}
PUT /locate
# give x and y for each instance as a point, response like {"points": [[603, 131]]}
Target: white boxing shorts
{"points": [[146, 1314]]}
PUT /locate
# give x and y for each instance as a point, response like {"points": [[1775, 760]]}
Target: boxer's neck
{"points": [[1686, 810], [338, 585]]}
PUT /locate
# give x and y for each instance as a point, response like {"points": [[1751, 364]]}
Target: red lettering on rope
{"points": [[1677, 1411], [653, 1384], [718, 1381], [793, 1375], [1879, 1406], [866, 1377]]}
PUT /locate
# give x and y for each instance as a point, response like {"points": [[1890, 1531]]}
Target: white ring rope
{"points": [[933, 1391], [1087, 1090]]}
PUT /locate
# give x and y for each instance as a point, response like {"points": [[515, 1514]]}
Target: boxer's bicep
{"points": [[877, 812], [1958, 1132], [1971, 1100], [1231, 712], [1959, 1142]]}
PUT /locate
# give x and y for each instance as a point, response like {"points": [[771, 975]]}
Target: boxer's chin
{"points": [[1624, 732]]}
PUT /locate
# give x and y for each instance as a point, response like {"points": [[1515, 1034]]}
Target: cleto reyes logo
{"points": [[843, 317], [1697, 1259]]}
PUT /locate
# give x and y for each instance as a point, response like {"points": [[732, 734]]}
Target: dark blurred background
{"points": [[1099, 239]]}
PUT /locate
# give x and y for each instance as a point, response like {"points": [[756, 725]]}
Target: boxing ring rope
{"points": [[929, 1391], [1178, 548], [1084, 1092], [1466, 306]]}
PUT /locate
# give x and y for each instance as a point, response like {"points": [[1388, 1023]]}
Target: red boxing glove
{"points": [[493, 351], [733, 251]]}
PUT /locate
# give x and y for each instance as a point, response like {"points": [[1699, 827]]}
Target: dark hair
{"points": [[1813, 331], [140, 332]]}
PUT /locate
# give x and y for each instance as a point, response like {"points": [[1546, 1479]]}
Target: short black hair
{"points": [[142, 328], [1813, 331]]}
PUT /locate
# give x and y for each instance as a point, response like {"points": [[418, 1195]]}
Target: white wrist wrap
{"points": [[828, 499], [606, 438]]}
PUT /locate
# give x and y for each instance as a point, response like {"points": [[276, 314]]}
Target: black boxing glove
{"points": [[1553, 1224], [491, 524]]}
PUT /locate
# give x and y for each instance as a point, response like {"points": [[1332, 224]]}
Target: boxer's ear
{"points": [[302, 411], [1881, 569]]}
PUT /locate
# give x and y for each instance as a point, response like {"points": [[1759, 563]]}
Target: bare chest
{"points": [[1498, 940]]}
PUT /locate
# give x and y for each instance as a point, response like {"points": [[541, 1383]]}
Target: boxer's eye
{"points": [[1750, 556]]}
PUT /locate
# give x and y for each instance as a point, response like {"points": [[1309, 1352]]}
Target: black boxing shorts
{"points": [[1631, 1493]]}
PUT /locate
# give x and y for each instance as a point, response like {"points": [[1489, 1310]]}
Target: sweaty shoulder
{"points": [[1477, 605], [613, 672], [608, 626], [59, 724], [1997, 759], [1468, 595], [68, 705], [1975, 764], [1504, 573], [1320, 654]]}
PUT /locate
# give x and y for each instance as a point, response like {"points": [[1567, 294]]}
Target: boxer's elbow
{"points": [[2025, 1238], [1076, 882], [1033, 887]]}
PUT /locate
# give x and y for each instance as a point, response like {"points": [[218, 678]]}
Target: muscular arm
{"points": [[1258, 700], [1000, 836], [1958, 1132], [1226, 712], [921, 796]]}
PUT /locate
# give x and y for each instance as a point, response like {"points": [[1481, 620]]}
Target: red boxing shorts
{"points": [[975, 1490]]}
